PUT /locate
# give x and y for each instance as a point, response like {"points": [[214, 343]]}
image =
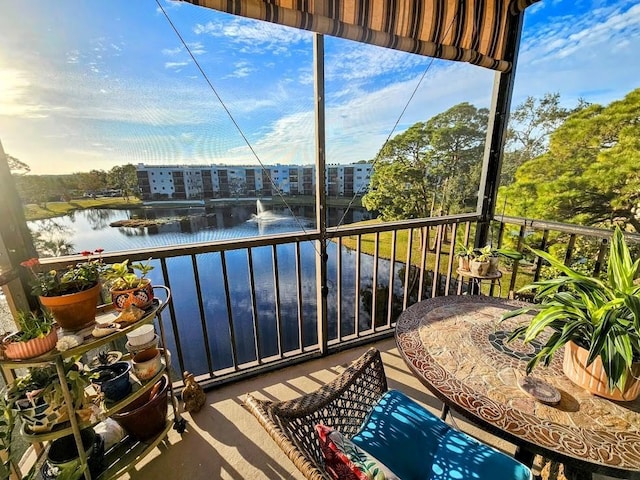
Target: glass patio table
{"points": [[458, 348]]}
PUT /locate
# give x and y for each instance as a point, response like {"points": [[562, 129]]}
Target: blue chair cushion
{"points": [[416, 445]]}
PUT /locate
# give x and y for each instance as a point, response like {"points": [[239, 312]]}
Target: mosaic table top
{"points": [[458, 348]]}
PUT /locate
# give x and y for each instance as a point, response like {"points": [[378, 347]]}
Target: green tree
{"points": [[92, 181], [124, 178], [33, 189], [16, 166], [530, 125], [432, 164], [589, 175]]}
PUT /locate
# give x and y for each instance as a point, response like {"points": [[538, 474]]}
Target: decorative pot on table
{"points": [[494, 262], [479, 268], [593, 378], [463, 263]]}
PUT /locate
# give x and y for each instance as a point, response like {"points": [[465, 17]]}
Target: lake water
{"points": [[89, 229]]}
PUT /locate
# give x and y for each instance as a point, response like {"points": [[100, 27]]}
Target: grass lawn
{"points": [[58, 209]]}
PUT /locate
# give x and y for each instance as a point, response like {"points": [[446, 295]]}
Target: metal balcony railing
{"points": [[246, 306]]}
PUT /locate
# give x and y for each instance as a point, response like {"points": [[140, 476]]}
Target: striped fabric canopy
{"points": [[473, 31]]}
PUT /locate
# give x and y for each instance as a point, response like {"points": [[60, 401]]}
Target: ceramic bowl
{"points": [[147, 364], [133, 349], [141, 335]]}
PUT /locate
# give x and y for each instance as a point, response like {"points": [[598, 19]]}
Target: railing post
{"points": [[497, 132], [16, 244], [321, 218]]}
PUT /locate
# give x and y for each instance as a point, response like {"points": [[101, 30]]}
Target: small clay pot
{"points": [[147, 364]]}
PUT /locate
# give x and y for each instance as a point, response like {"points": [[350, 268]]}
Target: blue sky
{"points": [[92, 84]]}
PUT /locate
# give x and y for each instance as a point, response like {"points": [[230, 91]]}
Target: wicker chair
{"points": [[342, 404]]}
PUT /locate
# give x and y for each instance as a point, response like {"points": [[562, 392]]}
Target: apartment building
{"points": [[197, 182]]}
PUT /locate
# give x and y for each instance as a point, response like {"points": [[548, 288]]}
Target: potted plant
{"points": [[113, 380], [128, 287], [36, 336], [70, 295], [596, 320], [490, 255], [464, 254], [38, 399], [493, 255], [479, 264]]}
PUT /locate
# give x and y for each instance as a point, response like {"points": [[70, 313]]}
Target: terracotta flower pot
{"points": [[463, 263], [141, 297], [74, 310], [146, 416], [31, 348], [593, 378]]}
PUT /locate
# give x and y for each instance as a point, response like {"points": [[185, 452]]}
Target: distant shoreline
{"points": [[58, 209]]}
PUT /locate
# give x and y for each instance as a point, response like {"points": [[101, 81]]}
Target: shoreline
{"points": [[34, 212]]}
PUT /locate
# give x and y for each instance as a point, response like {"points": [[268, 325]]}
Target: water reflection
{"points": [[280, 325]]}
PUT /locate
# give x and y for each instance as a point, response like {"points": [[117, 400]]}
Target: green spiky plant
{"points": [[599, 315]]}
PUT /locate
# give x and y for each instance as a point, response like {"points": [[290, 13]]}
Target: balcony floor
{"points": [[224, 441]]}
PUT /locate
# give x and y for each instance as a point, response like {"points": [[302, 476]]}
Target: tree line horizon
{"points": [[568, 164]]}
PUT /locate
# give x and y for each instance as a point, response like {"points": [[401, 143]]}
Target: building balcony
{"points": [[225, 441], [240, 328]]}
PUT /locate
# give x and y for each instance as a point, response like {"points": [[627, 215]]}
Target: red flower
{"points": [[86, 253], [32, 262], [99, 250]]}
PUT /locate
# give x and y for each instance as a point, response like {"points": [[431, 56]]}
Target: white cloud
{"points": [[362, 62], [174, 65], [254, 36], [593, 56], [241, 70], [16, 100], [170, 52]]}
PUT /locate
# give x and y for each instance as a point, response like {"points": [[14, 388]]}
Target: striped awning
{"points": [[473, 31]]}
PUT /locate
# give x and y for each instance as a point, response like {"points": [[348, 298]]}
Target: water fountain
{"points": [[266, 216]]}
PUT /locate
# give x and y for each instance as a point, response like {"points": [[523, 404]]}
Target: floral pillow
{"points": [[346, 461]]}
